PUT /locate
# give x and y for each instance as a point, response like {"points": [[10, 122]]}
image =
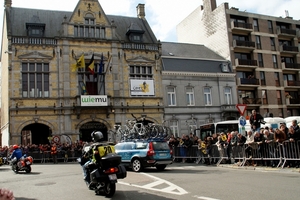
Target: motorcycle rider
{"points": [[17, 152], [94, 153]]}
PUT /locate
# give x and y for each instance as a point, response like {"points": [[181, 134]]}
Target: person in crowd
{"points": [[173, 144], [259, 140], [214, 149], [229, 148], [17, 152], [54, 153], [187, 144], [284, 129], [295, 125], [233, 144], [6, 194], [280, 135], [270, 147], [293, 138], [249, 146], [222, 144], [241, 140], [255, 120]]}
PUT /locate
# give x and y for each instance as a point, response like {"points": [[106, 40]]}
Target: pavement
{"points": [[235, 166]]}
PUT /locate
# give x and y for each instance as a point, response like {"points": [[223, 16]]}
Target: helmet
{"points": [[15, 146], [97, 136]]}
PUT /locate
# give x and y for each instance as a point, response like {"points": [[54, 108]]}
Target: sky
{"points": [[164, 15]]}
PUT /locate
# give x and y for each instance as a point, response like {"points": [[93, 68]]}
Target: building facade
{"points": [[66, 74], [263, 50], [198, 86]]}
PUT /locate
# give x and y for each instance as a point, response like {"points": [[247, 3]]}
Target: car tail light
{"points": [[171, 151], [111, 170], [151, 151]]}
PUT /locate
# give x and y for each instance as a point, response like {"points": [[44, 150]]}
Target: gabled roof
{"points": [[183, 57], [53, 23]]}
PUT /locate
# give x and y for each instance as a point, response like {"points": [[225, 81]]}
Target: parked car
{"points": [[138, 154]]}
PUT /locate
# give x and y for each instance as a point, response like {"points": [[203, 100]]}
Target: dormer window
{"points": [[135, 33], [35, 30]]}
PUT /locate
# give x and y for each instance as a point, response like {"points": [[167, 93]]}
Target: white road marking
{"points": [[205, 198], [171, 188]]}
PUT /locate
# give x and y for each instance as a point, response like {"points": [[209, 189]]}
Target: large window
{"points": [[89, 29], [270, 26], [272, 41], [141, 72], [262, 78], [258, 43], [274, 58], [171, 96], [207, 96], [190, 96], [174, 128], [260, 60], [228, 96], [35, 80], [255, 25], [277, 81]]}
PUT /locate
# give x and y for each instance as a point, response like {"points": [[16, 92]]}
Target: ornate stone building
{"points": [[47, 94]]}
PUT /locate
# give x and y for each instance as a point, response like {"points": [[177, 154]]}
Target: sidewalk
{"points": [[235, 166]]}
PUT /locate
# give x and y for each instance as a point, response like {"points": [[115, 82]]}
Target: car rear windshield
{"points": [[160, 146]]}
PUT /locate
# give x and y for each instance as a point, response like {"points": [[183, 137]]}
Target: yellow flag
{"points": [[80, 63]]}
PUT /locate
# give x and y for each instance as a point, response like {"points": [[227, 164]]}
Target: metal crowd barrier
{"points": [[276, 154], [62, 156]]}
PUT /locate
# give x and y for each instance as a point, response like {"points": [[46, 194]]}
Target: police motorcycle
{"points": [[103, 169], [24, 164]]}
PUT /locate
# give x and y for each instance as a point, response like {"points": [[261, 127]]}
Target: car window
{"points": [[140, 145], [160, 146], [129, 146]]}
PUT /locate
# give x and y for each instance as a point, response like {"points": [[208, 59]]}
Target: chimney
{"points": [[141, 11], [213, 4], [7, 3]]}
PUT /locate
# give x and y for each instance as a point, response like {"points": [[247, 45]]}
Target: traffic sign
{"points": [[242, 121], [241, 108]]}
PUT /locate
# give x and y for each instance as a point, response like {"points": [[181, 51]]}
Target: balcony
{"points": [[291, 84], [248, 82], [228, 108], [292, 102], [288, 50], [244, 63], [251, 101], [286, 33], [241, 28], [243, 46], [290, 66], [298, 34]]}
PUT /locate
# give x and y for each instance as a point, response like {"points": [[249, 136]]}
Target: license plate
{"points": [[162, 154], [112, 177], [27, 162]]}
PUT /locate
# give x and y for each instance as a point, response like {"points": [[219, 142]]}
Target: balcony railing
{"points": [[33, 41], [241, 43], [249, 81], [284, 31], [293, 83], [292, 101], [251, 100], [285, 48], [242, 25], [290, 66], [239, 62], [139, 46]]}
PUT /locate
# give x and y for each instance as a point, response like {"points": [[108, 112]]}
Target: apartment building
{"points": [[263, 50], [66, 74]]}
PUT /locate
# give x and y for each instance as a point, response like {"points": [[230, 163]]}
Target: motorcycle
{"points": [[24, 164], [3, 161], [105, 175]]}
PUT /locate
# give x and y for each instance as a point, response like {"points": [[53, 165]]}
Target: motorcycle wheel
{"points": [[109, 189], [28, 169], [14, 168]]}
